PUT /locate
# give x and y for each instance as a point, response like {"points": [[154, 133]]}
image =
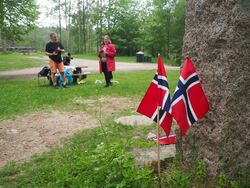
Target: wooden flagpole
{"points": [[158, 147]]}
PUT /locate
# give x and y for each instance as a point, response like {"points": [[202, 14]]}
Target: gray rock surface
{"points": [[147, 157], [134, 120], [217, 38]]}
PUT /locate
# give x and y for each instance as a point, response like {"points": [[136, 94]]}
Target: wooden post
{"points": [[158, 147]]}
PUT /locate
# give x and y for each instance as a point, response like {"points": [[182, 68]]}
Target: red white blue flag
{"points": [[189, 102], [158, 94]]}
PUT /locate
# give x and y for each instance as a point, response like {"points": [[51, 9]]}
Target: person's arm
{"points": [[47, 51], [50, 54], [60, 48]]}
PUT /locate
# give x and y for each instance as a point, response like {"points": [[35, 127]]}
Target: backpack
{"points": [[66, 60], [44, 72]]}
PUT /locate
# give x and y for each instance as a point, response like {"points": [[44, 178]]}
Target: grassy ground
{"points": [[24, 96], [95, 158], [98, 157], [11, 61]]}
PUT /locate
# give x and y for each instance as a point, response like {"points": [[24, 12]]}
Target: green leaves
{"points": [[17, 18], [164, 29]]}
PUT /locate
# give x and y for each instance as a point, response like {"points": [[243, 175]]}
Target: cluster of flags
{"points": [[187, 105]]}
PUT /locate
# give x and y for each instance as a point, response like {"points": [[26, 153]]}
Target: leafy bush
{"points": [[200, 171], [108, 165], [241, 179], [222, 180], [177, 179]]}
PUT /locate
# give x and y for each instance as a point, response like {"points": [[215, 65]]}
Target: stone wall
{"points": [[217, 38]]}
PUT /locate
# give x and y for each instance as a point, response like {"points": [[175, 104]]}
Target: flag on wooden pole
{"points": [[158, 94], [189, 102]]}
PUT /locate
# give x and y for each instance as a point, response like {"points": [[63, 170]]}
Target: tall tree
{"points": [[60, 19], [16, 18], [167, 19]]}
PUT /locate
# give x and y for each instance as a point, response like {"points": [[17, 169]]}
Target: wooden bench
{"points": [[25, 52], [79, 73], [77, 77]]}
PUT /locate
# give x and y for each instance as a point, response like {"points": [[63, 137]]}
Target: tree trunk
{"points": [[168, 33], [217, 39], [60, 20], [69, 27], [84, 27], [1, 26], [4, 48], [97, 29], [101, 25], [79, 27]]}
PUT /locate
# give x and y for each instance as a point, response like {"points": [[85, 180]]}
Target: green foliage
{"points": [[150, 26], [115, 167], [164, 29], [177, 178], [39, 37], [234, 184], [222, 180], [17, 18], [87, 160], [9, 170], [119, 19], [200, 171], [240, 180]]}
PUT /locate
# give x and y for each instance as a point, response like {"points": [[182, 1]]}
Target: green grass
{"points": [[20, 96], [94, 158], [12, 61], [98, 157]]}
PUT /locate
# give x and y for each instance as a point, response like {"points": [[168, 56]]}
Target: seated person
{"points": [[67, 59]]}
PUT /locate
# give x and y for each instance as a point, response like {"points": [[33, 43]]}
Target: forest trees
{"points": [[16, 18], [151, 26], [164, 29]]}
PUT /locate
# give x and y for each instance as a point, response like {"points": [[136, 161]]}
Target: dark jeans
{"points": [[108, 74]]}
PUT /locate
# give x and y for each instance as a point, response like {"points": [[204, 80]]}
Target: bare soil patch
{"points": [[38, 132], [108, 105]]}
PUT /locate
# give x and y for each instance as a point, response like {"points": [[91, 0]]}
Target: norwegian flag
{"points": [[189, 102], [158, 95]]}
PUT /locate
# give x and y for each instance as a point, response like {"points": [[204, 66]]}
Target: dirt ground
{"points": [[108, 105], [38, 132]]}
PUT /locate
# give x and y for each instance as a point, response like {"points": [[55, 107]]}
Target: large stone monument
{"points": [[217, 38]]}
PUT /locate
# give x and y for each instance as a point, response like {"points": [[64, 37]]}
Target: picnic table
{"points": [[79, 73]]}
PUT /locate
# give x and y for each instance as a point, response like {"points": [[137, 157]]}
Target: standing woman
{"points": [[107, 59]]}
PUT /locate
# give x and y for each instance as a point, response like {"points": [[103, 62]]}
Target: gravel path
{"points": [[92, 67]]}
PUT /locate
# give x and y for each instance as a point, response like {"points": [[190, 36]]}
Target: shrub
{"points": [[177, 179]]}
